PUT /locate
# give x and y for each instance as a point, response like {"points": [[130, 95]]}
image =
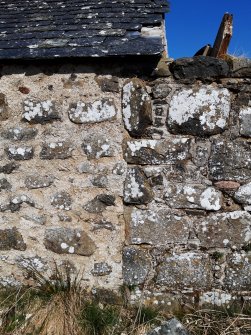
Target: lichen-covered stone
{"points": [[193, 196], [136, 265], [20, 153], [92, 112], [56, 150], [69, 241], [240, 67], [243, 195], [154, 152], [191, 270], [108, 83], [37, 219], [35, 181], [4, 184], [136, 107], [245, 121], [19, 134], [30, 263], [136, 188], [39, 111], [96, 146], [99, 203], [9, 168], [201, 67], [103, 224], [201, 111], [100, 181], [62, 200], [230, 160], [223, 230], [16, 202], [158, 227], [161, 89], [101, 269], [11, 239], [171, 327], [4, 114], [238, 272]]}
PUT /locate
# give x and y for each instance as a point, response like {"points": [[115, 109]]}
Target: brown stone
{"points": [[11, 239], [227, 185], [3, 108]]}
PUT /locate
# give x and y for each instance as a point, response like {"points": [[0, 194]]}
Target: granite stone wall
{"points": [[139, 181]]}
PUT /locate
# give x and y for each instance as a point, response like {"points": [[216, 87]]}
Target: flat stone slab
{"points": [[39, 111], [245, 121]]}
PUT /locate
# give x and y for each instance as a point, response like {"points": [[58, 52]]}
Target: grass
{"points": [[58, 306]]}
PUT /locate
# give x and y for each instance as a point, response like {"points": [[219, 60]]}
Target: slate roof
{"points": [[80, 28]]}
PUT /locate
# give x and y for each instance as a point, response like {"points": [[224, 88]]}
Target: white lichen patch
{"points": [[217, 298], [126, 102], [210, 199], [38, 110], [135, 146], [98, 111], [243, 195]]}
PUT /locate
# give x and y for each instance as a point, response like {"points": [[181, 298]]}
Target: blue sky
{"points": [[191, 24]]}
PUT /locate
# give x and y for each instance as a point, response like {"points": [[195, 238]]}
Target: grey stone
{"points": [[61, 200], [56, 150], [100, 181], [92, 112], [199, 67], [96, 146], [108, 83], [158, 227], [4, 184], [191, 270], [99, 203], [9, 168], [39, 111], [20, 153], [193, 196], [101, 269], [136, 187], [136, 265], [64, 218], [4, 114], [171, 327], [16, 202], [19, 134], [155, 152], [243, 194], [136, 107], [119, 168], [69, 241], [240, 67], [34, 181], [230, 160], [38, 219], [161, 89], [103, 224], [224, 230], [245, 121], [31, 263], [11, 239], [200, 111]]}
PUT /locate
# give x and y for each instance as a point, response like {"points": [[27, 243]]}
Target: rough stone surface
{"points": [[20, 153], [4, 114], [97, 111], [200, 67], [34, 181], [185, 270], [19, 134], [99, 203], [245, 121], [238, 272], [9, 168], [137, 108], [136, 265], [108, 83], [230, 160], [56, 150], [11, 239], [224, 230], [4, 184], [39, 111], [101, 269], [171, 327], [69, 241], [200, 111], [137, 190], [243, 195], [240, 67], [156, 152], [14, 204], [158, 227], [96, 146], [227, 185], [61, 200]]}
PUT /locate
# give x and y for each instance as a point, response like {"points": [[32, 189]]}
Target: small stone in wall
{"points": [[19, 134], [99, 203], [9, 168], [227, 185], [69, 241], [245, 121], [4, 184], [33, 182], [37, 219], [30, 263], [243, 195], [62, 200], [171, 327], [100, 181], [96, 146], [92, 112], [20, 153], [101, 269], [161, 89], [64, 218], [136, 265], [39, 111], [4, 114], [11, 239], [56, 150], [15, 203], [136, 107], [108, 83], [103, 224], [136, 188], [200, 111]]}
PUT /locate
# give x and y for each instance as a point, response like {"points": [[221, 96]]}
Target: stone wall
{"points": [[143, 182]]}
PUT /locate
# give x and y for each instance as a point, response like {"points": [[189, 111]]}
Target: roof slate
{"points": [[46, 29]]}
